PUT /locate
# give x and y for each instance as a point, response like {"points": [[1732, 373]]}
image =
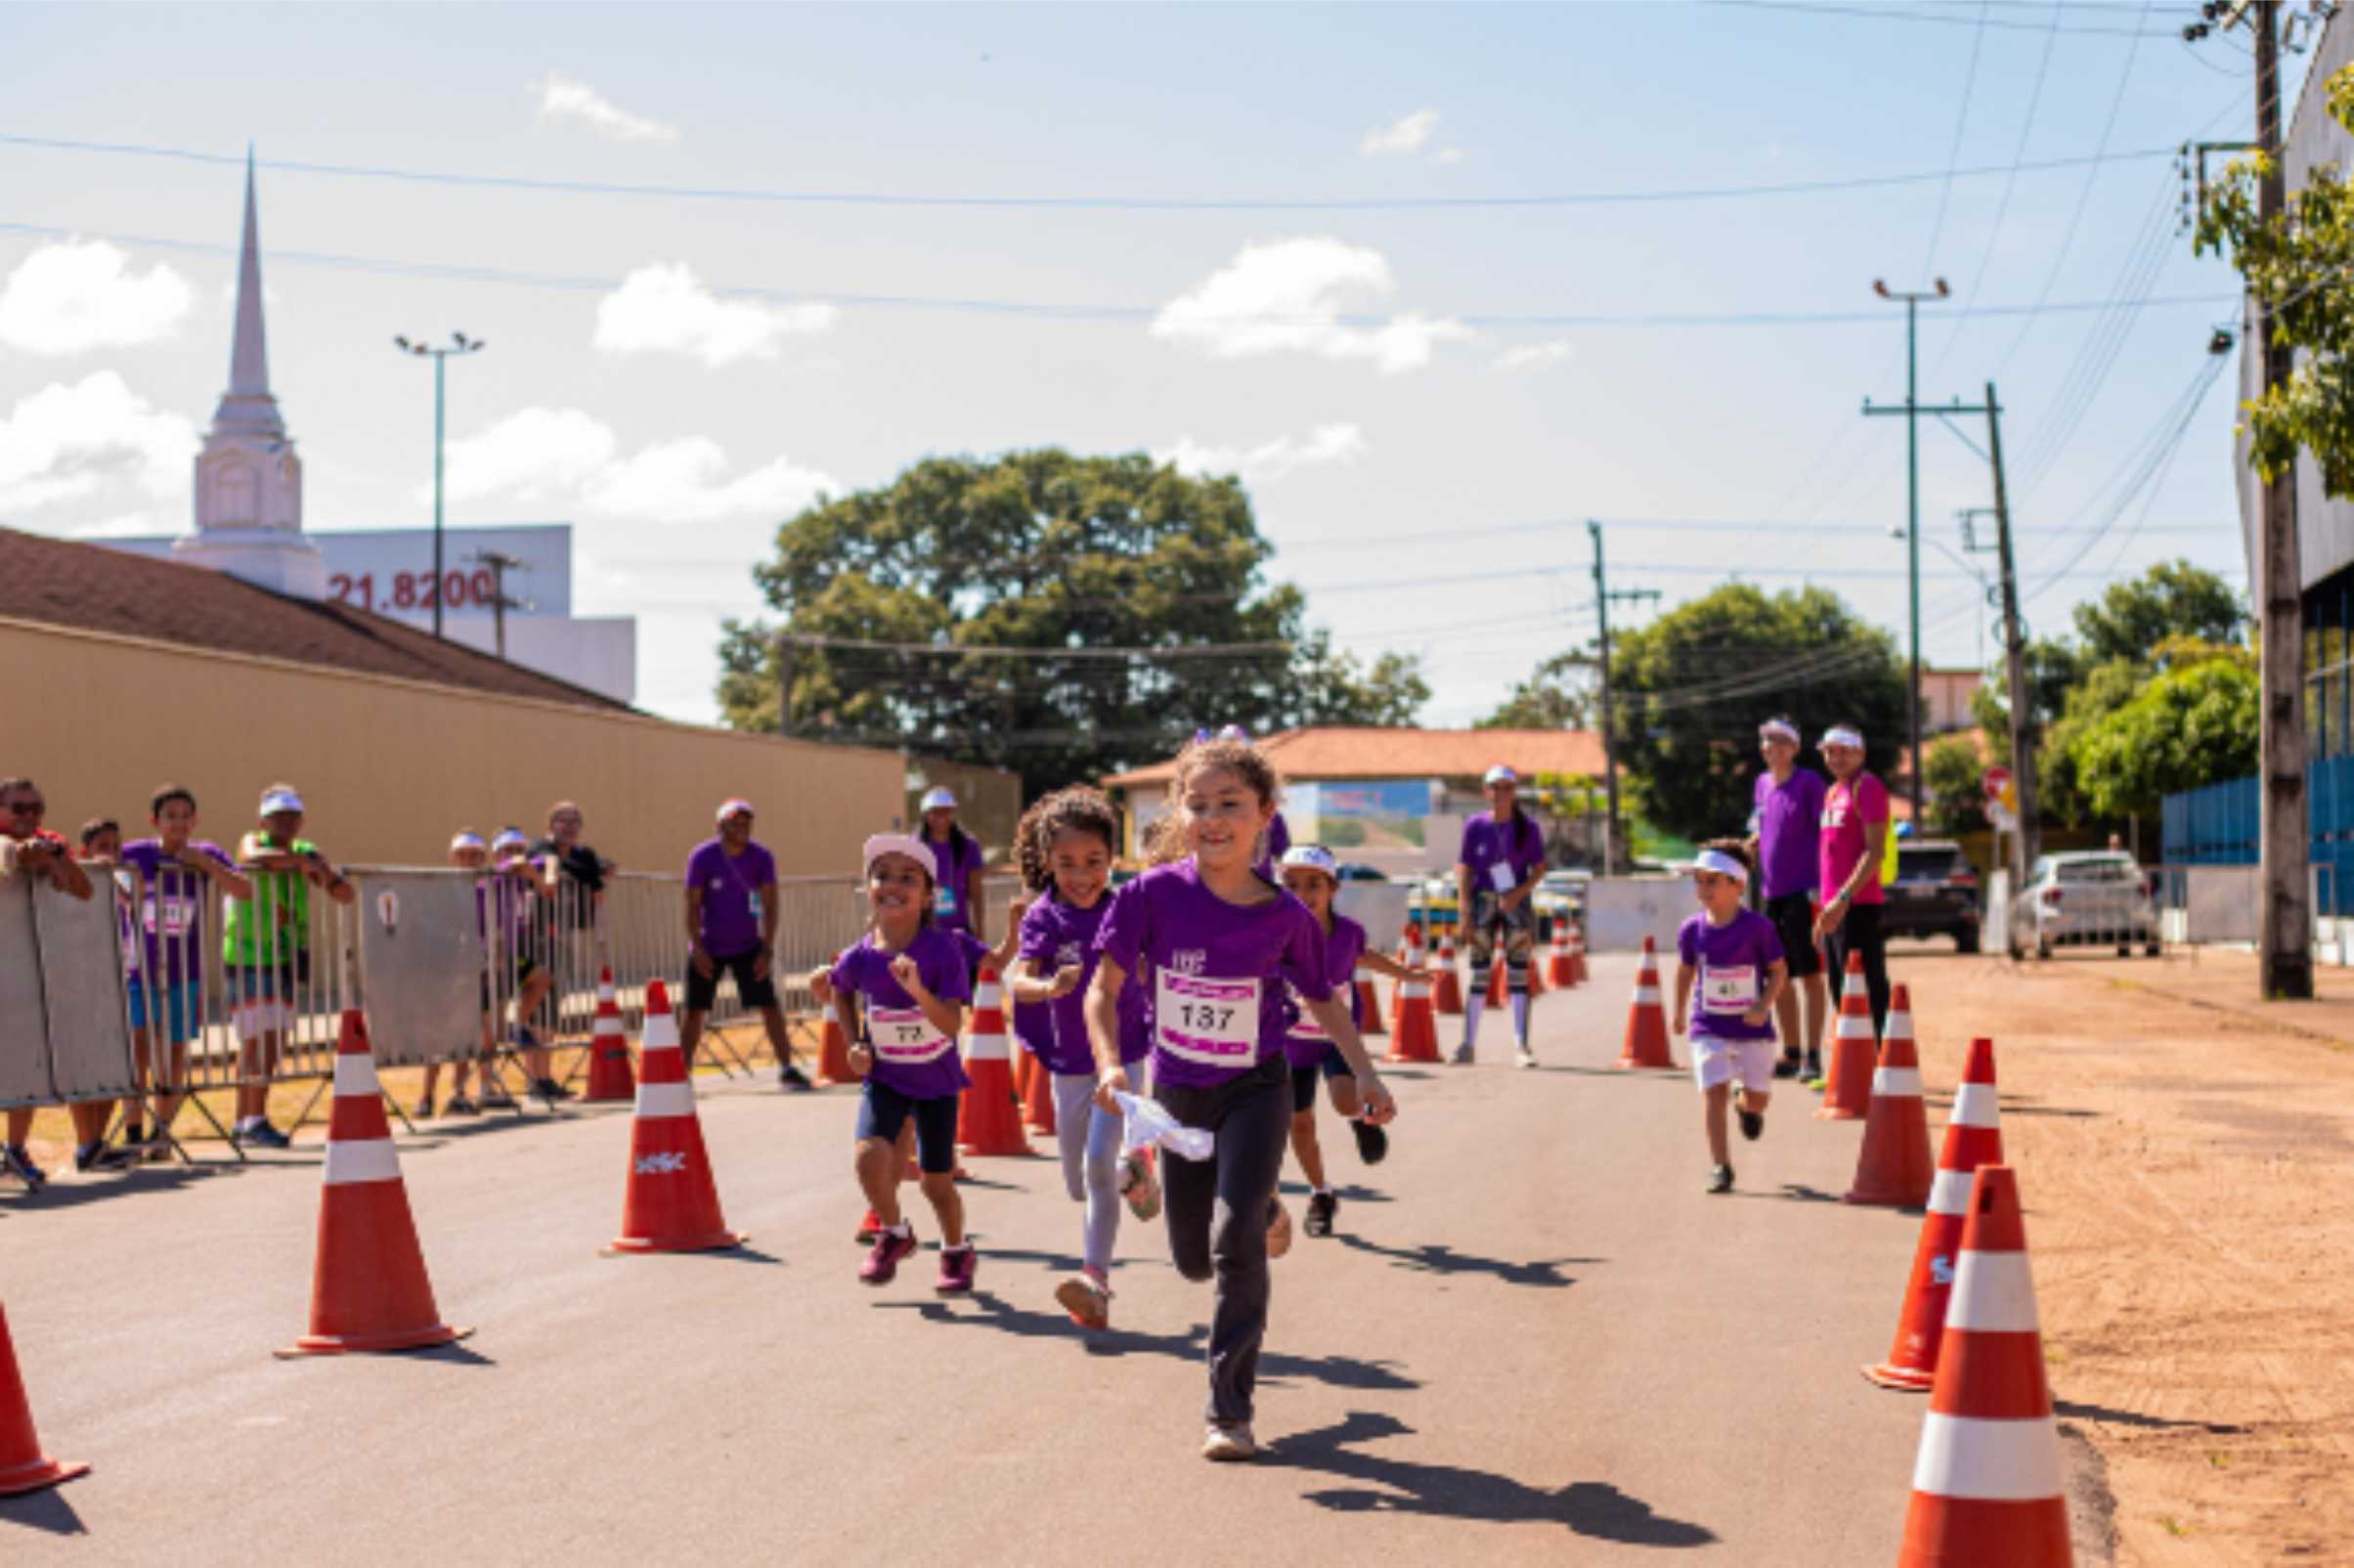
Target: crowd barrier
{"points": [[161, 987]]}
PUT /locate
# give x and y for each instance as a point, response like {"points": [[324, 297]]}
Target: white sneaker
{"points": [[1525, 1057], [1229, 1444]]}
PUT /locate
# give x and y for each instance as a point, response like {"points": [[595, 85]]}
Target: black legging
{"points": [[1859, 933]]}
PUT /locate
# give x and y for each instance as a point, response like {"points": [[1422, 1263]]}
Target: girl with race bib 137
{"points": [[1222, 942]]}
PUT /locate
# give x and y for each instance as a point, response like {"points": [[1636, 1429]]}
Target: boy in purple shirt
{"points": [[1732, 958], [175, 876], [1785, 823], [731, 927], [1496, 872]]}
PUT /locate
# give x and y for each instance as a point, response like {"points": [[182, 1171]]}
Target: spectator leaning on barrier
{"points": [[512, 893], [1854, 836], [32, 851], [731, 918], [1785, 833], [266, 949], [101, 853], [177, 876], [572, 888], [467, 853], [957, 900]]}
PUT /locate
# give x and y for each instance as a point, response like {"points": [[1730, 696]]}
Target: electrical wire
{"points": [[1961, 123], [1884, 13]]}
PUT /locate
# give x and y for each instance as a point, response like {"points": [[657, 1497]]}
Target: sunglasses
{"points": [[29, 807]]}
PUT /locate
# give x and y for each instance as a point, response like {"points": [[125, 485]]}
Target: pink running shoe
{"points": [[957, 1264], [882, 1264], [1139, 1186]]}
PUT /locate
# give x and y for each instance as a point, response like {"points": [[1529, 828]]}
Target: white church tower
{"points": [[249, 480]]}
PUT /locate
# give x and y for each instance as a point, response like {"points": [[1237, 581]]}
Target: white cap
{"points": [[914, 849], [937, 797], [1781, 729], [1501, 773], [732, 806], [1725, 865], [469, 841], [510, 837], [279, 799], [1314, 856], [1843, 735]]}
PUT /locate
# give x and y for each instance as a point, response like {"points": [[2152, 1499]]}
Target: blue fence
{"points": [[2217, 826]]}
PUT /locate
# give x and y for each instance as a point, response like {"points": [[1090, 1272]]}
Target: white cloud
{"points": [[562, 99], [78, 295], [1532, 356], [1448, 155], [1268, 459], [1298, 296], [1408, 134], [67, 442], [565, 457], [664, 309]]}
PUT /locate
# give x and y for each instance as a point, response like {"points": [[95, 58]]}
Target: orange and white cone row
{"points": [[1986, 1483], [609, 1076], [1893, 1168], [1647, 1041], [24, 1467], [369, 1289], [989, 1116], [1973, 1138], [1854, 1053], [670, 1204]]}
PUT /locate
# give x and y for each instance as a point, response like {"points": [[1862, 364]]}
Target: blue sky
{"points": [[1394, 453]]}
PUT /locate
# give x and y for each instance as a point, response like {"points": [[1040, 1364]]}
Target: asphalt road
{"points": [[1535, 1340]]}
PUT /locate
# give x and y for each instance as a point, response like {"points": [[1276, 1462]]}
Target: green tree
{"points": [[2296, 265], [889, 600], [2193, 725], [1559, 695], [1952, 779], [2171, 600], [1690, 688]]}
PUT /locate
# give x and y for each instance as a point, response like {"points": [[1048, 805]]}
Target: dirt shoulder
{"points": [[2186, 1153]]}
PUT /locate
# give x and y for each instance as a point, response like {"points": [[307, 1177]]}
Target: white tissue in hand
{"points": [[1146, 1122]]}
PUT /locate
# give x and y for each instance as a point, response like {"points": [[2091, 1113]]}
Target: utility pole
{"points": [[460, 343], [1603, 595], [2015, 663], [500, 564], [1912, 479], [784, 682]]}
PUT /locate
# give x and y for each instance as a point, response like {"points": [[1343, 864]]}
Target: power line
{"points": [[1885, 13], [1102, 203], [1961, 123]]}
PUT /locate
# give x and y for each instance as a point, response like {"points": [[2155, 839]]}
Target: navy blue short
{"points": [[882, 1110], [1303, 1079]]}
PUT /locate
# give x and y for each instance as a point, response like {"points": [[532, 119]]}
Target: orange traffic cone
{"points": [[1848, 1084], [1579, 974], [1893, 1168], [368, 1289], [1496, 987], [1973, 1138], [1368, 1006], [833, 1054], [1416, 1035], [24, 1467], [1646, 1043], [1410, 953], [1986, 1484], [609, 1074], [988, 1116], [670, 1204], [1038, 1090], [1446, 996], [1560, 973]]}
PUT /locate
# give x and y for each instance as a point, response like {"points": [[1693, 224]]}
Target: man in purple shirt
{"points": [[731, 927], [1785, 823], [1496, 871]]}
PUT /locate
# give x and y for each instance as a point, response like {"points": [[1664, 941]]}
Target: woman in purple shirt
{"points": [[1222, 942], [1496, 873], [956, 897]]}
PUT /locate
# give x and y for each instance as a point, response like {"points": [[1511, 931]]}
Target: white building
{"points": [[250, 524]]}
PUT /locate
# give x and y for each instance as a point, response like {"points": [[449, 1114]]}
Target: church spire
{"points": [[249, 358]]}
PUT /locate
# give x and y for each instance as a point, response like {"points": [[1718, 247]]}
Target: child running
{"points": [[1734, 957], [1312, 877], [911, 984], [1220, 938], [1063, 848]]}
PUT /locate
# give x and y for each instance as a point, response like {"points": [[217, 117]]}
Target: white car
{"points": [[2095, 898]]}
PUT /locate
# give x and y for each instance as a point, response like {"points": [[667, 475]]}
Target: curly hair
{"points": [[1078, 809], [1167, 841]]}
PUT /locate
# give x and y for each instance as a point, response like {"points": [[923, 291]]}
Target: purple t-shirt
{"points": [[910, 1054], [1787, 819], [952, 891], [1518, 844], [1847, 807], [1731, 961], [731, 895], [1306, 1041], [171, 908], [1055, 934], [1219, 970]]}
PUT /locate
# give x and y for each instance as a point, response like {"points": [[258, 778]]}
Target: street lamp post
{"points": [[460, 343], [1912, 496]]}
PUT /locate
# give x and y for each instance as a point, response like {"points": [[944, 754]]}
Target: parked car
{"points": [[2090, 899], [1358, 871], [1561, 895], [1934, 894]]}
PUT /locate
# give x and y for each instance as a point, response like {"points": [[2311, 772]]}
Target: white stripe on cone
{"points": [[355, 1076], [987, 1048], [1897, 1083], [1950, 1193], [1899, 1024], [659, 1100], [1855, 1026], [1646, 996], [1974, 1106], [1416, 988], [1989, 1461], [1993, 1293], [366, 1160], [660, 1033]]}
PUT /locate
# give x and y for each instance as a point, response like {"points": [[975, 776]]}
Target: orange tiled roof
{"points": [[1310, 755]]}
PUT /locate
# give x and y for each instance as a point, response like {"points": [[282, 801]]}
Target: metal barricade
{"points": [[65, 1025]]}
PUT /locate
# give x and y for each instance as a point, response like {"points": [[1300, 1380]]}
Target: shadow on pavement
{"points": [[1796, 1193], [1347, 1193], [1593, 1508], [1436, 1257], [48, 1511], [2076, 1410], [1059, 1262], [1339, 1372], [125, 1183]]}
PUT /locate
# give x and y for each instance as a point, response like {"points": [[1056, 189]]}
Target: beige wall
{"points": [[391, 769]]}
